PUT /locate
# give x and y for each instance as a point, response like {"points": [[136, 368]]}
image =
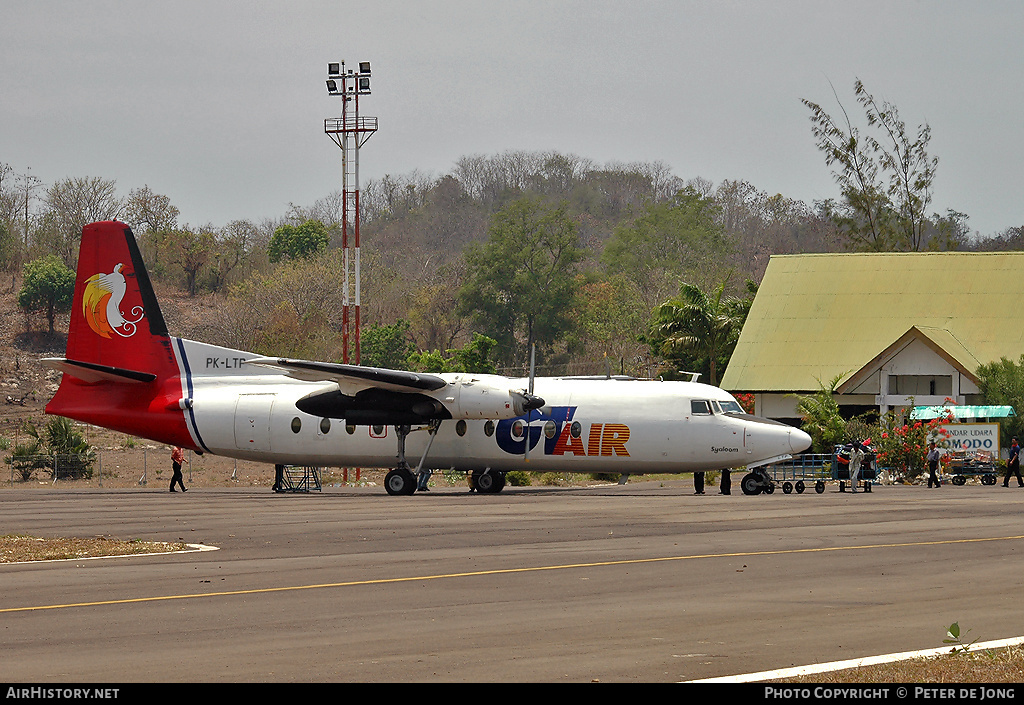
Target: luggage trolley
{"points": [[841, 461], [797, 474], [963, 464]]}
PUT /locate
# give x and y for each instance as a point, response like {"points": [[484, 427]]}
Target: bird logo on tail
{"points": [[101, 305]]}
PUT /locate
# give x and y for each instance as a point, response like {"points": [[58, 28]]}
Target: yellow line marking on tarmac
{"points": [[506, 571]]}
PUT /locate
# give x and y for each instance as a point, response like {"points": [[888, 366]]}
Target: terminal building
{"points": [[890, 329]]}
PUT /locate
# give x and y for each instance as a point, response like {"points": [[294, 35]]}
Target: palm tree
{"points": [[700, 328], [821, 418]]}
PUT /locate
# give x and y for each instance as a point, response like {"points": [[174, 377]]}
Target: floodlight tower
{"points": [[349, 132]]}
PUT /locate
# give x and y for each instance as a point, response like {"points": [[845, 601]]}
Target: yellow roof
{"points": [[819, 316]]}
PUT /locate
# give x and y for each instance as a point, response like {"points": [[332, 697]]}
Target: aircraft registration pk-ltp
{"points": [[122, 370]]}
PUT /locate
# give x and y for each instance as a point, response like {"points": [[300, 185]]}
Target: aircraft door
{"points": [[252, 421]]}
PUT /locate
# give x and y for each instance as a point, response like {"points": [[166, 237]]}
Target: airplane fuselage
{"points": [[586, 425]]}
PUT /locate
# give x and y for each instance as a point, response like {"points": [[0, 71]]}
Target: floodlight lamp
{"points": [[364, 67], [364, 84], [332, 87], [334, 69]]}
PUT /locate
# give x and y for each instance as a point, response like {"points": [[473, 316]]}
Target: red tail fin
{"points": [[120, 370], [115, 319]]}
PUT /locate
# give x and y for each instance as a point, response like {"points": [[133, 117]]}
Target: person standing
{"points": [[933, 465], [725, 486], [698, 483], [856, 456], [1013, 465], [177, 458]]}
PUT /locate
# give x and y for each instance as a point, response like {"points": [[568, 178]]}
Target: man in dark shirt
{"points": [[1013, 465]]}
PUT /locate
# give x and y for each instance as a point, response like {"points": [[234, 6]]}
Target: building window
{"points": [[921, 385]]}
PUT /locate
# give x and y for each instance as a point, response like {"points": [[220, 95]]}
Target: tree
{"points": [[475, 356], [681, 238], [232, 246], [191, 251], [1002, 383], [698, 329], [293, 311], [433, 308], [880, 214], [821, 418], [520, 286], [8, 246], [153, 218], [74, 203], [147, 210], [8, 217], [48, 286], [298, 242], [386, 346], [610, 320], [28, 185]]}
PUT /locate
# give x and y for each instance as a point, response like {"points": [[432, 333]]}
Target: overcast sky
{"points": [[220, 105]]}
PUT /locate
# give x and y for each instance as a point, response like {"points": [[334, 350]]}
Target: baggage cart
{"points": [[795, 474], [963, 464], [842, 460]]}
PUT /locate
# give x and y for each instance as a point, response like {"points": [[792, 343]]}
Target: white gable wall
{"points": [[912, 365]]}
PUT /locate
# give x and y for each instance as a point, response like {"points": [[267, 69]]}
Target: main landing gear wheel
{"points": [[400, 481], [490, 482]]}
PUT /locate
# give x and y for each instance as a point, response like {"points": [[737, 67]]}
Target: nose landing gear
{"points": [[756, 482]]}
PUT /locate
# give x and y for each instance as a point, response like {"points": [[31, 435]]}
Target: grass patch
{"points": [[18, 549], [982, 666]]}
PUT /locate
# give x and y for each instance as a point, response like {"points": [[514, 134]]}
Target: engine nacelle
{"points": [[464, 397], [486, 397]]}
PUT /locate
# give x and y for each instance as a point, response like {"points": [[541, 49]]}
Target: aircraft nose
{"points": [[799, 441]]}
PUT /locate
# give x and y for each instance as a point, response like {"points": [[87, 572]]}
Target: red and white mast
{"points": [[350, 132]]}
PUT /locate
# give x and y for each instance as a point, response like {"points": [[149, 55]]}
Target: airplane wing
{"points": [[353, 377]]}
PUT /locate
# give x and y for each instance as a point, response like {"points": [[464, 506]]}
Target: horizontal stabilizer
{"points": [[398, 380], [91, 372]]}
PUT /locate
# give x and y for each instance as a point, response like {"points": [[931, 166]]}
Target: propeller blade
{"points": [[533, 363], [530, 401]]}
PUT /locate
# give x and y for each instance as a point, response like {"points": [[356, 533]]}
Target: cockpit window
{"points": [[732, 407], [700, 406], [716, 407]]}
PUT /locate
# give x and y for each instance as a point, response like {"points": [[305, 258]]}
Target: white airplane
{"points": [[123, 371]]}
